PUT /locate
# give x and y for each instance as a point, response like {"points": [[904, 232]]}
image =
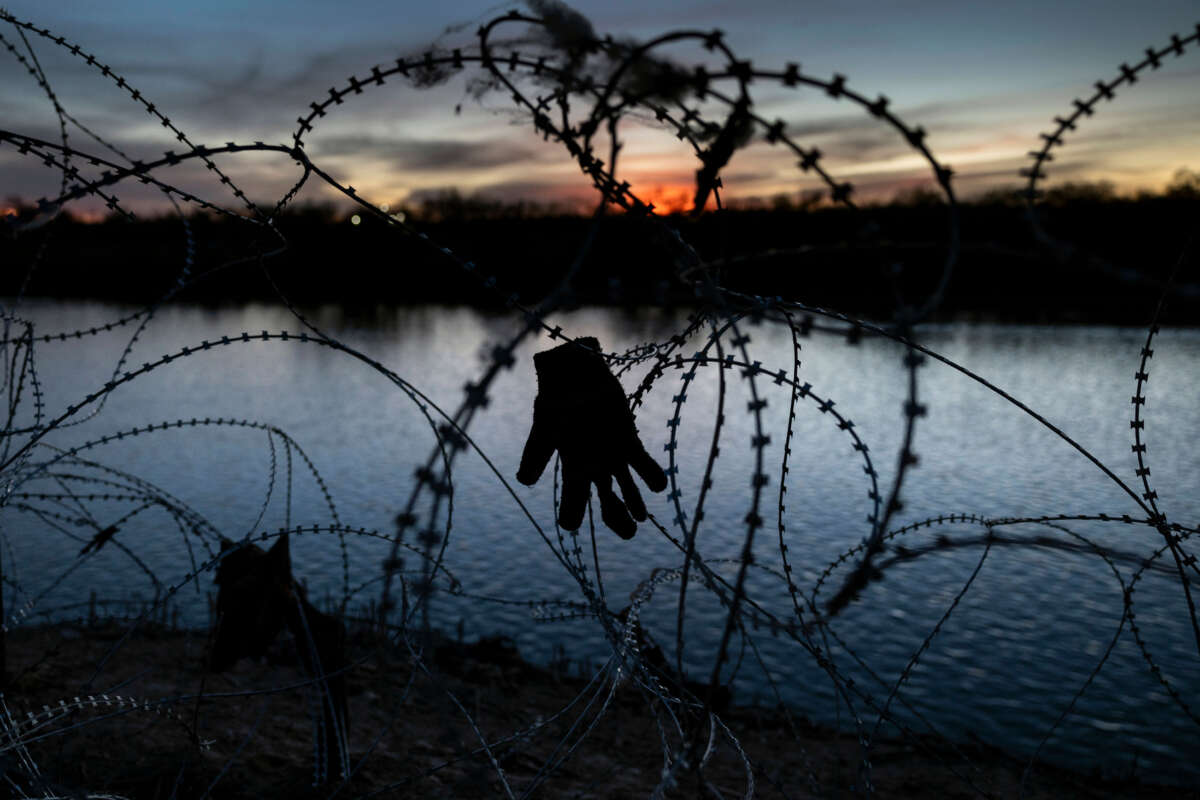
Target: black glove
{"points": [[581, 412]]}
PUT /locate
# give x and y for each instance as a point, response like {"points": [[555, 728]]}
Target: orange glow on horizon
{"points": [[88, 216], [674, 194], [667, 198]]}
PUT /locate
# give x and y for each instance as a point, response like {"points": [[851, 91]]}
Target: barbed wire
{"points": [[576, 89]]}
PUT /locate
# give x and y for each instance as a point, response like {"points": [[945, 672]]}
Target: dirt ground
{"points": [[417, 730]]}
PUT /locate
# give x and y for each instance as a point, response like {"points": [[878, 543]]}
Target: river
{"points": [[1028, 634]]}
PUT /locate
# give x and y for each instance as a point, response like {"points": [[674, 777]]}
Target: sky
{"points": [[983, 79]]}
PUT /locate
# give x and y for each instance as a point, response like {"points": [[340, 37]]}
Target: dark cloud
{"points": [[828, 126], [850, 138], [988, 175], [733, 178], [954, 109], [865, 146], [568, 192], [864, 129], [241, 84], [423, 154]]}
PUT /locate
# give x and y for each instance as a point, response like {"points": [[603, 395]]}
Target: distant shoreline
{"points": [[1108, 265]]}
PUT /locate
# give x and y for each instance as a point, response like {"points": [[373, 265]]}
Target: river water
{"points": [[1022, 641]]}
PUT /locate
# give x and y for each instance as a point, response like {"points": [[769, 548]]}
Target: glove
{"points": [[581, 412]]}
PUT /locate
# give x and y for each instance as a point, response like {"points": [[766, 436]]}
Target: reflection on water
{"points": [[1019, 645]]}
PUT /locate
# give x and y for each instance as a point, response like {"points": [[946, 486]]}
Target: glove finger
{"points": [[629, 490], [647, 467], [574, 498], [538, 449], [613, 511]]}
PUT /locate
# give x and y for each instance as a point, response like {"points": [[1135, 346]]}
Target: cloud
{"points": [[426, 154], [733, 177], [234, 88], [855, 138], [570, 192]]}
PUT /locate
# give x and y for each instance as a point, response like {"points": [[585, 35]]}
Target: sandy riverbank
{"points": [[410, 736]]}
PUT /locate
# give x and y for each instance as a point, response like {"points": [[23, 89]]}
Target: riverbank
{"points": [[169, 729]]}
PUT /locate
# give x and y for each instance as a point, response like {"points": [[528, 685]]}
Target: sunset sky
{"points": [[983, 79]]}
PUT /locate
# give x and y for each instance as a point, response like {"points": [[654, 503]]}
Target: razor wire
{"points": [[576, 89]]}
